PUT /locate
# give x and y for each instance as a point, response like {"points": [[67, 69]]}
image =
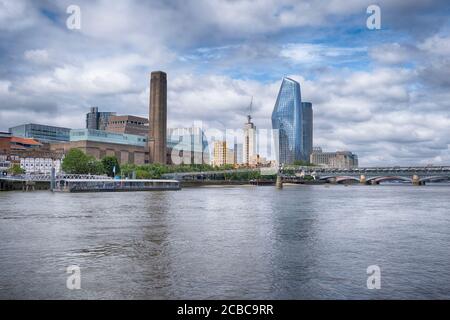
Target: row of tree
{"points": [[77, 162], [155, 171]]}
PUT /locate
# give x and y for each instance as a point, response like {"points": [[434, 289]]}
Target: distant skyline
{"points": [[383, 94]]}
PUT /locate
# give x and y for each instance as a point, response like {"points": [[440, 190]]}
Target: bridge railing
{"points": [[47, 177]]}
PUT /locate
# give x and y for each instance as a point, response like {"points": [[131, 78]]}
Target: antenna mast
{"points": [[250, 110]]}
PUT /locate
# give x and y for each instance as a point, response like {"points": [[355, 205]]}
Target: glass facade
{"points": [[108, 137], [41, 132], [287, 119], [307, 120]]}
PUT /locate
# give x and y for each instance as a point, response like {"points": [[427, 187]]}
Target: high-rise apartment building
{"points": [[287, 120], [249, 145], [157, 143], [222, 154], [292, 121]]}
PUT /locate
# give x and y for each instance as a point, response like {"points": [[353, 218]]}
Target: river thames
{"points": [[241, 242]]}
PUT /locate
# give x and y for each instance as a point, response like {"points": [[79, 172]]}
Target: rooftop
{"points": [[25, 141]]}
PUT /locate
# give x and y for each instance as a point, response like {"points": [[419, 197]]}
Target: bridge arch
{"points": [[341, 179], [379, 179], [434, 178]]}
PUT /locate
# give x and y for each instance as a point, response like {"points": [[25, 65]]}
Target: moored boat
{"points": [[115, 185]]}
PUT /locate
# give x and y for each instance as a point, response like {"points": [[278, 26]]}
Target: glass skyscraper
{"points": [[293, 121], [307, 121]]}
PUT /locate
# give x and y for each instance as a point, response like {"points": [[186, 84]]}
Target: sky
{"points": [[383, 94]]}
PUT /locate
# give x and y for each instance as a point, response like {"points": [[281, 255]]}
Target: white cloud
{"points": [[317, 53], [38, 56]]}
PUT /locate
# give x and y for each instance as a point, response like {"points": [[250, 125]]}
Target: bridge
{"points": [[372, 175], [369, 175]]}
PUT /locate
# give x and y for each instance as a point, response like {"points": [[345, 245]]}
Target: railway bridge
{"points": [[372, 175]]}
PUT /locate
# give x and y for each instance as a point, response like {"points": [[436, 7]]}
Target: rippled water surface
{"points": [[301, 242]]}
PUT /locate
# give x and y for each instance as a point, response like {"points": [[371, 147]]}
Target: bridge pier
{"points": [[279, 182], [374, 182], [362, 179], [416, 180], [29, 186]]}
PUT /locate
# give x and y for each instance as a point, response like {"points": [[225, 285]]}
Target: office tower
{"points": [[249, 138], [97, 120], [287, 120], [158, 118], [307, 129]]}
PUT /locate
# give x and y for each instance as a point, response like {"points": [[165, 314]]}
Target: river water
{"points": [[243, 242]]}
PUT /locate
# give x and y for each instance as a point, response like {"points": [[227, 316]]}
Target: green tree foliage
{"points": [[16, 170], [108, 164], [77, 162], [302, 163], [155, 171]]}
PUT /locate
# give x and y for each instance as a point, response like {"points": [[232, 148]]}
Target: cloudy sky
{"points": [[384, 94]]}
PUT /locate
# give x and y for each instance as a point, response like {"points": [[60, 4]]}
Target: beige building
{"points": [[249, 145], [222, 155], [339, 159]]}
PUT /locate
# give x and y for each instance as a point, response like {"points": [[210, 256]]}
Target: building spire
{"points": [[250, 111]]}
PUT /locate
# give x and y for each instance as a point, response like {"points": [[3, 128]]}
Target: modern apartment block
{"points": [[292, 121], [222, 154]]}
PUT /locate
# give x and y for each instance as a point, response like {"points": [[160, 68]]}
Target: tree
{"points": [[77, 162], [109, 163], [16, 170], [302, 163]]}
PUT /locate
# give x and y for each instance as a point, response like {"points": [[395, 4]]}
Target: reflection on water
{"points": [[228, 242]]}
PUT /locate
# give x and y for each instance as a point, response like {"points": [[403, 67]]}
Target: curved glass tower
{"points": [[287, 119]]}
